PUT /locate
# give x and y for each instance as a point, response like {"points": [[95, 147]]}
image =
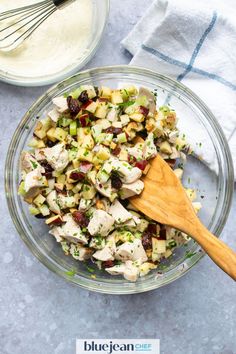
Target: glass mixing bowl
{"points": [[99, 19], [215, 184]]}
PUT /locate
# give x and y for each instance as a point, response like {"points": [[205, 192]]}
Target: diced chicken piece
{"points": [[125, 251], [54, 115], [28, 162], [119, 213], [129, 223], [104, 189], [34, 179], [128, 173], [111, 242], [57, 232], [151, 98], [149, 148], [52, 202], [128, 190], [129, 270], [60, 103], [146, 267], [66, 201], [103, 255], [118, 269], [97, 243], [139, 253], [136, 151], [85, 204], [39, 154], [131, 251], [79, 252], [72, 231], [57, 156], [101, 223]]}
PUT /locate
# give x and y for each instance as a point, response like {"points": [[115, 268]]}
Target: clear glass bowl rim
{"points": [[226, 182], [50, 79]]}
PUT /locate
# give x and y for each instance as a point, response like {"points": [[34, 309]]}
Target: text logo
{"points": [[116, 346]]}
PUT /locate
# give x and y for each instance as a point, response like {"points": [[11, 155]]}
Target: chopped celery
{"points": [[34, 211], [122, 138], [21, 189], [73, 128]]}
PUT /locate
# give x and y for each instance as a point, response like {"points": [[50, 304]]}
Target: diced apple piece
{"points": [[85, 155], [103, 153], [39, 200], [116, 97], [42, 127], [44, 210], [91, 107], [36, 143], [54, 220], [106, 92], [101, 110], [137, 117], [165, 148], [124, 118], [51, 134], [88, 142], [60, 134], [88, 192]]}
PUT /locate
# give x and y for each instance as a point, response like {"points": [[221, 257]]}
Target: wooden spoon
{"points": [[164, 200]]}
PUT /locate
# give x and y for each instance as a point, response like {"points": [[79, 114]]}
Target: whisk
{"points": [[18, 24]]}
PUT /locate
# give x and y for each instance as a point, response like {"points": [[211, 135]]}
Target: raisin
{"points": [[162, 234], [83, 97], [48, 169], [116, 181], [40, 216], [171, 162], [73, 105], [113, 130], [146, 240], [116, 151], [152, 228], [80, 218], [77, 176], [108, 264], [143, 110], [50, 143]]}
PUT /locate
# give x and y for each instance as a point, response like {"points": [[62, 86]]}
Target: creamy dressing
{"points": [[59, 42]]}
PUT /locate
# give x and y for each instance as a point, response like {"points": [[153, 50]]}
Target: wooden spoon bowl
{"points": [[165, 200]]}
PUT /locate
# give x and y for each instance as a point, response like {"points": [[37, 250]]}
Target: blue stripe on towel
{"points": [[189, 67], [198, 47], [184, 65]]}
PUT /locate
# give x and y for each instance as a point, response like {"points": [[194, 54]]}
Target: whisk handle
{"points": [[61, 3]]}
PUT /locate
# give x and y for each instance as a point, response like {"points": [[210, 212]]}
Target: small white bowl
{"points": [[99, 20]]}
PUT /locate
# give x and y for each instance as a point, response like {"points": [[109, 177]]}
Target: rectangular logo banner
{"points": [[117, 346]]}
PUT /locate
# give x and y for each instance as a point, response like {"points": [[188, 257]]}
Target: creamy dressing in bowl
{"points": [[63, 39]]}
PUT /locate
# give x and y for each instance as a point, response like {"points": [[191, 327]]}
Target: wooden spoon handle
{"points": [[219, 252]]}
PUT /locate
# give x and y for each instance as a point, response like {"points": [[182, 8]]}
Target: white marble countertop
{"points": [[41, 313]]}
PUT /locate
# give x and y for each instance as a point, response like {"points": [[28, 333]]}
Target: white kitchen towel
{"points": [[194, 43]]}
